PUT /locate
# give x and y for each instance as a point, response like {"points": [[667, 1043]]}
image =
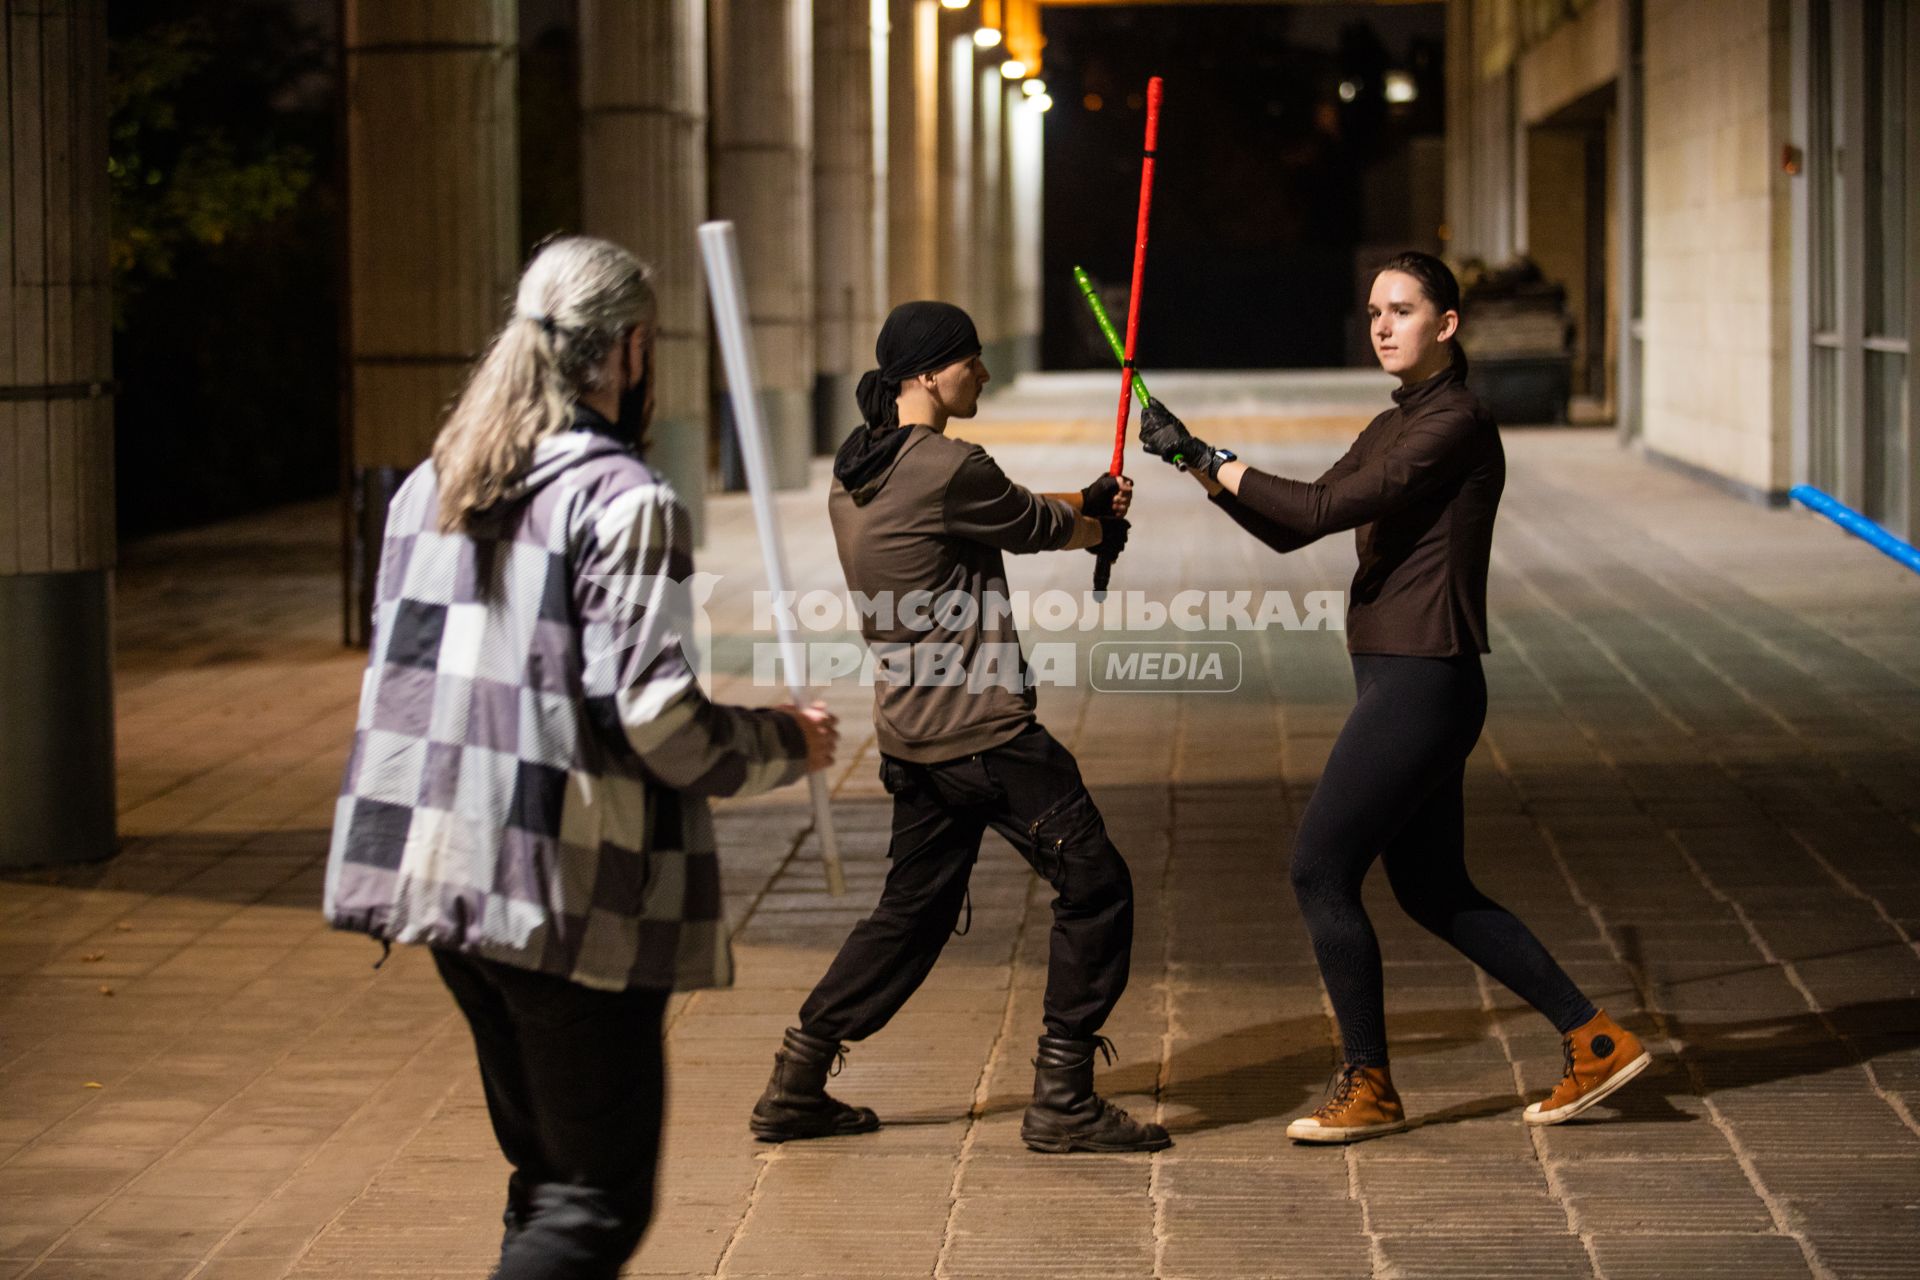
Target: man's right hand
{"points": [[820, 727], [1106, 497]]}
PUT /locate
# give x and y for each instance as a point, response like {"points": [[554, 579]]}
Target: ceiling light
{"points": [[1033, 88], [1043, 101], [1400, 87], [1014, 69], [954, 4], [987, 37], [1349, 91]]}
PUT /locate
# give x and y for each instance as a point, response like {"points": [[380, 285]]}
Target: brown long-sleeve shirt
{"points": [[916, 513], [1420, 487]]}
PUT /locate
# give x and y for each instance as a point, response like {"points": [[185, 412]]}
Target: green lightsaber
{"points": [[1105, 322]]}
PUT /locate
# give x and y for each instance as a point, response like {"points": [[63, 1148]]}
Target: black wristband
{"points": [[1216, 458]]}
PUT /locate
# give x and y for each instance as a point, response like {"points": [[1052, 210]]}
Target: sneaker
{"points": [[1361, 1103], [1600, 1057]]}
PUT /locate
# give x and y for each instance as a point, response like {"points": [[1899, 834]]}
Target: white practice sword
{"points": [[721, 254]]}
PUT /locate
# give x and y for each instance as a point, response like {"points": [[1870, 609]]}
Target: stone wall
{"points": [[1716, 265]]}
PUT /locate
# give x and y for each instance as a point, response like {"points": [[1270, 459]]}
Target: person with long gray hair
{"points": [[527, 790]]}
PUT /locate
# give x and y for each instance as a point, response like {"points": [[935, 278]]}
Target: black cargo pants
{"points": [[1029, 790]]}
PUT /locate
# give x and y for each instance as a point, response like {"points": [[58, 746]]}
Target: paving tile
{"points": [[111, 1269], [273, 1106], [1500, 1247], [1639, 1256]]}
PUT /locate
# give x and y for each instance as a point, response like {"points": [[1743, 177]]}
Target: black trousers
{"points": [[1029, 790], [575, 1085], [1392, 790]]}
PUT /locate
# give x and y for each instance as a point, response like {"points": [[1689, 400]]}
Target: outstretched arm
{"points": [[1269, 531], [983, 505], [1428, 455], [1165, 436]]}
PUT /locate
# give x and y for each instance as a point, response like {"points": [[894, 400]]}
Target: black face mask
{"points": [[632, 422]]}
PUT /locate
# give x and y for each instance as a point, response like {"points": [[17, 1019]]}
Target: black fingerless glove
{"points": [[1113, 538], [1096, 499]]}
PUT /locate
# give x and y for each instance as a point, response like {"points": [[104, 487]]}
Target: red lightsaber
{"points": [[1104, 568]]}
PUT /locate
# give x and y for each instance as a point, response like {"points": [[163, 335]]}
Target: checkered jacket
{"points": [[531, 767]]}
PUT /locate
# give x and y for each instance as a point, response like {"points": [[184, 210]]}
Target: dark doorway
{"points": [[1299, 144]]}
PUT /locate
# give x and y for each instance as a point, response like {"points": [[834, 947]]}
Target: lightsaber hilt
{"points": [[721, 253]]}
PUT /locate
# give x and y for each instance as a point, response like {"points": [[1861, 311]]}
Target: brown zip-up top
{"points": [[1420, 488], [930, 514]]}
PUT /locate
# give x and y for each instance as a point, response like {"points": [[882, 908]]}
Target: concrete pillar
{"points": [[990, 218], [849, 203], [913, 150], [1629, 149], [1026, 165], [762, 59], [56, 437], [1458, 238], [432, 232], [643, 120], [1485, 140], [958, 248]]}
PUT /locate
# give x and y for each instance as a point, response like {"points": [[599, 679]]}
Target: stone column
{"points": [[913, 150], [957, 244], [990, 267], [1026, 163], [643, 108], [56, 437], [762, 58], [849, 203], [432, 232]]}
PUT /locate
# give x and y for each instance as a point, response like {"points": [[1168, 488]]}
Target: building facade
{"points": [[1727, 187]]}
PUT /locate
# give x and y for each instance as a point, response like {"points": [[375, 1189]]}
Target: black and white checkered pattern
{"points": [[533, 757]]}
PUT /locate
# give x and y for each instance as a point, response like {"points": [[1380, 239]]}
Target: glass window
{"points": [[1886, 437], [1886, 171], [1822, 162], [1823, 460]]}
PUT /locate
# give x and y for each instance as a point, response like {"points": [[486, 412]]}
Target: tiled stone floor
{"points": [[1699, 782]]}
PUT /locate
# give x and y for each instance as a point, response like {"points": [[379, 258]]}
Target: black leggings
{"points": [[1392, 790]]}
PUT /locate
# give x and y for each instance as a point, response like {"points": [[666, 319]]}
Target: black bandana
{"points": [[918, 337]]}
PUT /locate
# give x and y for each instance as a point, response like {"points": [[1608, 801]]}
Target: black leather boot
{"points": [[796, 1103], [1067, 1115]]}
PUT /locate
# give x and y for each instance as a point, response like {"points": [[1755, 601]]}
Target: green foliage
{"points": [[189, 163]]}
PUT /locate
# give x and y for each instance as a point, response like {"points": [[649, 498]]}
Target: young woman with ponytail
{"points": [[1420, 486], [527, 792]]}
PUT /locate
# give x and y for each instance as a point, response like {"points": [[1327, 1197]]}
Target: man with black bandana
{"points": [[917, 513]]}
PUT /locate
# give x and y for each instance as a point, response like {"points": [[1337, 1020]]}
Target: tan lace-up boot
{"points": [[1601, 1056], [1361, 1103]]}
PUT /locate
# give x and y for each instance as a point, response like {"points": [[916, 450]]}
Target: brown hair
{"points": [[1436, 280]]}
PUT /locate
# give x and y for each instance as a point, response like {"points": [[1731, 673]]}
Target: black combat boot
{"points": [[1067, 1115], [796, 1103]]}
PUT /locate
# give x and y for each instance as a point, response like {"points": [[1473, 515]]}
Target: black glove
{"points": [[1096, 499], [1167, 438], [1113, 538]]}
